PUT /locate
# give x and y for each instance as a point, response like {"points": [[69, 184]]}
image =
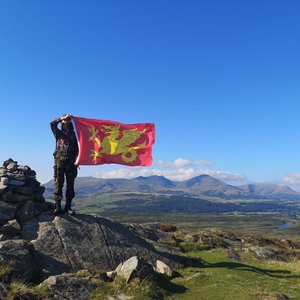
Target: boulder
{"points": [[11, 167], [23, 190], [68, 286], [163, 268], [17, 182], [7, 212], [19, 198], [26, 211], [7, 195], [19, 255], [71, 243], [3, 237], [11, 229], [135, 267]]}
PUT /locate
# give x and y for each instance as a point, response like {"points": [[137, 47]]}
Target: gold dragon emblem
{"points": [[111, 144]]}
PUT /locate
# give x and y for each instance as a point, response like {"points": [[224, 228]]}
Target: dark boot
{"points": [[58, 210], [68, 208]]}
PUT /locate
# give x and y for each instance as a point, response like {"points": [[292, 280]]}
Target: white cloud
{"points": [[181, 162], [293, 178], [179, 174]]}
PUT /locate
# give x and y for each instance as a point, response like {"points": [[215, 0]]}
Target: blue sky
{"points": [[220, 80]]}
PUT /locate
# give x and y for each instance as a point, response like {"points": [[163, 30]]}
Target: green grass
{"points": [[137, 289], [18, 290], [5, 270], [220, 278], [97, 204]]}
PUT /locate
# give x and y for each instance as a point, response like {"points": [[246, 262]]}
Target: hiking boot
{"points": [[69, 211]]}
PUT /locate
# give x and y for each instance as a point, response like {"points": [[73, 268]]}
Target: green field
{"points": [[250, 279], [263, 223]]}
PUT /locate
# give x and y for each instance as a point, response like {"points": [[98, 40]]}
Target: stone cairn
{"points": [[21, 196]]}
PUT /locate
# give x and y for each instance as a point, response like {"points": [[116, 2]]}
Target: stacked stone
{"points": [[21, 196]]}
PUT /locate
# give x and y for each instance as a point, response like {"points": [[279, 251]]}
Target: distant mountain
{"points": [[209, 186], [203, 185], [270, 191]]}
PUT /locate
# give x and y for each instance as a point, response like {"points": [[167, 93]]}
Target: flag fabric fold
{"points": [[108, 142]]}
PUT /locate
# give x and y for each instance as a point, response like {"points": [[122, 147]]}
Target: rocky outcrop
{"points": [[71, 243], [35, 244], [261, 247], [21, 196]]}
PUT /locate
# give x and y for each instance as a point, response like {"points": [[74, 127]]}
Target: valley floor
{"points": [[260, 224]]}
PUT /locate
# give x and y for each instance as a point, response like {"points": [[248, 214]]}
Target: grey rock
{"points": [[24, 169], [111, 274], [16, 182], [26, 212], [67, 286], [3, 171], [136, 267], [71, 243], [3, 218], [20, 198], [4, 180], [38, 194], [42, 207], [11, 167], [11, 228], [30, 174], [282, 297], [7, 212], [19, 255], [266, 254], [23, 190], [231, 254], [3, 238], [8, 161], [149, 232], [163, 268], [3, 291], [2, 187], [7, 195]]}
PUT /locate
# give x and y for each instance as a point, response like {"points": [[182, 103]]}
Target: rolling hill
{"points": [[203, 185]]}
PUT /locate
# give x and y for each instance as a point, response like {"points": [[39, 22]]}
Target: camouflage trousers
{"points": [[64, 169]]}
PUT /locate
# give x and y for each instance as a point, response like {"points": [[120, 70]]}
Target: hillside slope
{"points": [[203, 185]]}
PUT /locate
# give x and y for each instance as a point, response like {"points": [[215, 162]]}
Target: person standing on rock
{"points": [[65, 154]]}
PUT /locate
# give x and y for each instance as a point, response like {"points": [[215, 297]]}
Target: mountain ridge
{"points": [[202, 185]]}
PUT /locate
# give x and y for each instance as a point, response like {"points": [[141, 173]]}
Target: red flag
{"points": [[108, 142]]}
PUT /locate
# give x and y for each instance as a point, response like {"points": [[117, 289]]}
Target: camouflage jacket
{"points": [[66, 143]]}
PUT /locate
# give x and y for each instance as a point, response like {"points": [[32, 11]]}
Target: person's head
{"points": [[66, 124]]}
